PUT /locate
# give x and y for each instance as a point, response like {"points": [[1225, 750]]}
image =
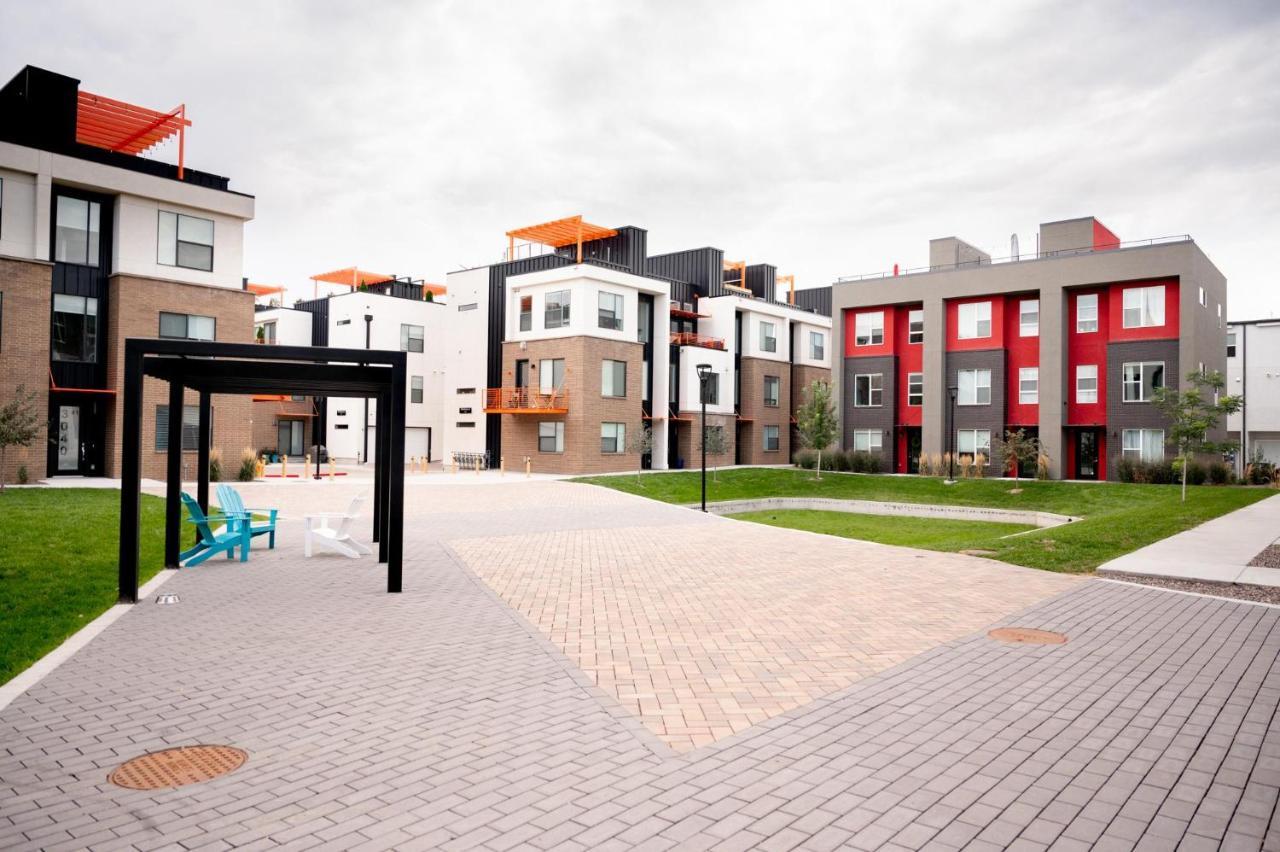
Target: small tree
{"points": [[816, 420], [641, 443], [19, 424], [717, 444], [1018, 448], [1193, 413]]}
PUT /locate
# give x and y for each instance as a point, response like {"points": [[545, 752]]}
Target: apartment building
{"points": [[1253, 371], [98, 244], [590, 341], [1067, 343]]}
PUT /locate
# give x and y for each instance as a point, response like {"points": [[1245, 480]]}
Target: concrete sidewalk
{"points": [[1217, 551]]}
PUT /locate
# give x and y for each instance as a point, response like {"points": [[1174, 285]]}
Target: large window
{"points": [[187, 326], [1029, 385], [551, 437], [613, 438], [1144, 306], [613, 378], [76, 232], [1143, 444], [190, 428], [868, 390], [771, 438], [550, 375], [973, 441], [411, 337], [185, 241], [556, 313], [526, 313], [869, 329], [1086, 383], [867, 440], [1029, 318], [974, 320], [75, 328], [772, 384], [974, 387], [1141, 378], [915, 326], [768, 337], [817, 346], [1087, 313], [611, 311], [415, 389], [712, 389]]}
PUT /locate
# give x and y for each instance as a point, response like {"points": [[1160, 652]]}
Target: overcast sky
{"points": [[827, 139]]}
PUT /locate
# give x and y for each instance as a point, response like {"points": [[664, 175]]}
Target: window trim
{"points": [[525, 316], [914, 336], [178, 241], [873, 388], [1022, 391], [618, 315], [1144, 306], [875, 329], [978, 386], [187, 324], [978, 320], [777, 391], [768, 342], [1094, 301], [876, 447], [619, 438], [604, 362], [777, 438], [1022, 318], [89, 344], [1138, 450], [1232, 342], [817, 346], [563, 306], [1125, 384], [415, 390], [552, 386], [915, 379], [189, 412], [1093, 390], [985, 450], [557, 436], [407, 338]]}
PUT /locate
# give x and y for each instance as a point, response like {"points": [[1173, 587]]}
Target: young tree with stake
{"points": [[19, 424], [1193, 413], [816, 419], [641, 443]]}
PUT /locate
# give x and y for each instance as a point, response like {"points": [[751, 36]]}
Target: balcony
{"points": [[525, 401], [690, 338]]}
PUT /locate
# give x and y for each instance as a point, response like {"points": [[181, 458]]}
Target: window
{"points": [[1086, 313], [1029, 385], [76, 231], [1204, 301], [1143, 444], [915, 326], [1144, 307], [344, 322], [1140, 380], [772, 384], [465, 390], [75, 328], [613, 378], [817, 346], [1086, 383], [1029, 318], [974, 320], [644, 321], [915, 389], [466, 409], [551, 437], [410, 338], [415, 389], [550, 375], [974, 387], [768, 338], [771, 439], [469, 306], [267, 332], [869, 329], [556, 313], [712, 388], [185, 241], [970, 442], [613, 438], [1231, 344], [190, 428], [611, 311], [526, 313], [868, 391], [867, 440], [187, 326]]}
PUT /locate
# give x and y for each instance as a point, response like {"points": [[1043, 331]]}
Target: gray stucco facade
{"points": [[989, 416], [880, 417]]}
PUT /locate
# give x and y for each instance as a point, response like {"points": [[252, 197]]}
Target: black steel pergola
{"points": [[247, 368]]}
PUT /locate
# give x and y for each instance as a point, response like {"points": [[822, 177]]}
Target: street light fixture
{"points": [[704, 377], [951, 440]]}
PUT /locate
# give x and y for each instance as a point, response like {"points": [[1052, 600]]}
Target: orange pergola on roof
{"points": [[351, 277], [560, 233], [264, 289], [130, 129]]}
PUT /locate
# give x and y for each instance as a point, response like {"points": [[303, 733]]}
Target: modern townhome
{"points": [[369, 310], [97, 244], [591, 341], [1067, 343], [1253, 371]]}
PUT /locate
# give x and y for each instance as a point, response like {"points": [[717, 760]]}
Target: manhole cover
{"points": [[1027, 636], [177, 767]]}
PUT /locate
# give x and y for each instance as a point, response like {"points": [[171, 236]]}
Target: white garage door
{"points": [[1270, 449], [416, 441]]}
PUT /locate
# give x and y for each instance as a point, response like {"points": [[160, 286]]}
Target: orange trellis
{"points": [[558, 234], [130, 129]]}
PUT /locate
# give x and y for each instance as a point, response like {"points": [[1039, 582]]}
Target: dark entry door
{"points": [[289, 442], [1087, 454], [913, 450], [78, 447], [522, 372]]}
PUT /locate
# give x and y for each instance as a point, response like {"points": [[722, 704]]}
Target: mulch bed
{"points": [[1238, 591]]}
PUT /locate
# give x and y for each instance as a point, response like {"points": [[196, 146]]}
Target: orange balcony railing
{"points": [[526, 401], [690, 338]]}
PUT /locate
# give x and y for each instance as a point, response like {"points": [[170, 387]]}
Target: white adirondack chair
{"points": [[319, 532]]}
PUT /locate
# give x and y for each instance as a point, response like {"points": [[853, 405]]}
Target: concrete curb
{"points": [[1044, 520]]}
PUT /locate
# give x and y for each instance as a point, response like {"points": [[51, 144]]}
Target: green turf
{"points": [[929, 533], [1118, 518], [58, 561]]}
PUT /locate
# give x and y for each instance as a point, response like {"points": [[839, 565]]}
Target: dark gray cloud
{"points": [[826, 138]]}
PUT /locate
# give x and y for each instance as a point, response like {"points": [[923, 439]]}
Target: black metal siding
{"points": [[319, 310], [762, 280], [816, 299], [625, 250], [703, 268]]}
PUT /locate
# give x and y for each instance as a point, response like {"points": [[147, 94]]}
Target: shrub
{"points": [[864, 462], [839, 461], [1042, 466], [248, 466], [1151, 473], [1196, 473], [23, 476], [922, 466], [1260, 473], [215, 464], [1220, 473], [979, 465]]}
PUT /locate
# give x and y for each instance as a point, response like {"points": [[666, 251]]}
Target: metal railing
{"points": [[692, 338], [499, 400]]}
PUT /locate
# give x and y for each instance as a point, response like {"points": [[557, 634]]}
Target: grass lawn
{"points": [[58, 561], [928, 533], [1118, 518]]}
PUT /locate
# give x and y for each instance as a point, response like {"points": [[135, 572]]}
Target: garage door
{"points": [[417, 442], [1270, 449]]}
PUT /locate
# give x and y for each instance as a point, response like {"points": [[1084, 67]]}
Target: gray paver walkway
{"points": [[442, 719]]}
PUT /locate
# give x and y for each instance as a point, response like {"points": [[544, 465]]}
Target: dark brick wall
{"points": [[979, 416], [881, 418], [1135, 415]]}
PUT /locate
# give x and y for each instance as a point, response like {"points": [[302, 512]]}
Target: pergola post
{"points": [[130, 473], [385, 429], [173, 474], [379, 479], [205, 431], [395, 473]]}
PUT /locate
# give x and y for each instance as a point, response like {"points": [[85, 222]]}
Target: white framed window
{"points": [[185, 241], [1231, 343], [1029, 385], [415, 390], [1143, 444], [970, 442], [613, 378], [550, 375], [556, 309], [915, 326], [411, 338], [974, 387], [868, 391], [817, 346], [610, 311], [771, 436], [772, 387], [613, 438], [1086, 383], [1029, 318], [1140, 380], [267, 331], [867, 440], [1204, 300], [868, 329], [1087, 313], [187, 326], [974, 320], [1144, 306], [768, 337], [551, 436], [526, 313], [915, 389]]}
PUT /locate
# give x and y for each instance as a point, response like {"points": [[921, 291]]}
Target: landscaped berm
{"points": [[1115, 518]]}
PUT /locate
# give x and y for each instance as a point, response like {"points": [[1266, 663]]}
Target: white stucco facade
{"points": [[465, 362], [1254, 372]]}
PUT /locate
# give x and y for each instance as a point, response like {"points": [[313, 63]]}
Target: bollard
{"points": [[331, 469], [455, 467], [527, 467], [284, 467], [306, 465], [477, 465], [502, 465], [413, 464]]}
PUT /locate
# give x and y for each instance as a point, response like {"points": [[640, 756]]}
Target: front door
{"points": [[913, 449], [289, 437], [522, 372], [68, 439], [1087, 454]]}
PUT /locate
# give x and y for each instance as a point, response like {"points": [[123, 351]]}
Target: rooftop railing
{"points": [[691, 338]]}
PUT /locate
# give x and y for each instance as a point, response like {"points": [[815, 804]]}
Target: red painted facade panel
{"points": [[995, 341], [851, 349], [1087, 348], [910, 360], [1159, 332], [1019, 352], [1103, 237]]}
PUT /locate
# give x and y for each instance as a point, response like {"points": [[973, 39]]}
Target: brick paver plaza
{"points": [[575, 668]]}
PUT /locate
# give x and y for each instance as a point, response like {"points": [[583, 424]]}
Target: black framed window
{"points": [[711, 389], [771, 439], [415, 389], [411, 337], [188, 326], [771, 387], [868, 390], [613, 378], [611, 311], [77, 229], [556, 313], [185, 241], [75, 328]]}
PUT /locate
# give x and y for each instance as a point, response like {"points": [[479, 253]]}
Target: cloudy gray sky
{"points": [[826, 138]]}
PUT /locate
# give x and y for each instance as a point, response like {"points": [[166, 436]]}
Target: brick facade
{"points": [[25, 311], [1123, 415], [267, 415], [689, 441], [803, 375], [990, 417], [756, 415], [880, 417]]}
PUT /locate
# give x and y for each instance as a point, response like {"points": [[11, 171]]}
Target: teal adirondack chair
{"points": [[210, 543], [233, 505]]}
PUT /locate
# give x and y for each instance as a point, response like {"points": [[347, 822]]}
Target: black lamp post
{"points": [[364, 427], [951, 475], [704, 376]]}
